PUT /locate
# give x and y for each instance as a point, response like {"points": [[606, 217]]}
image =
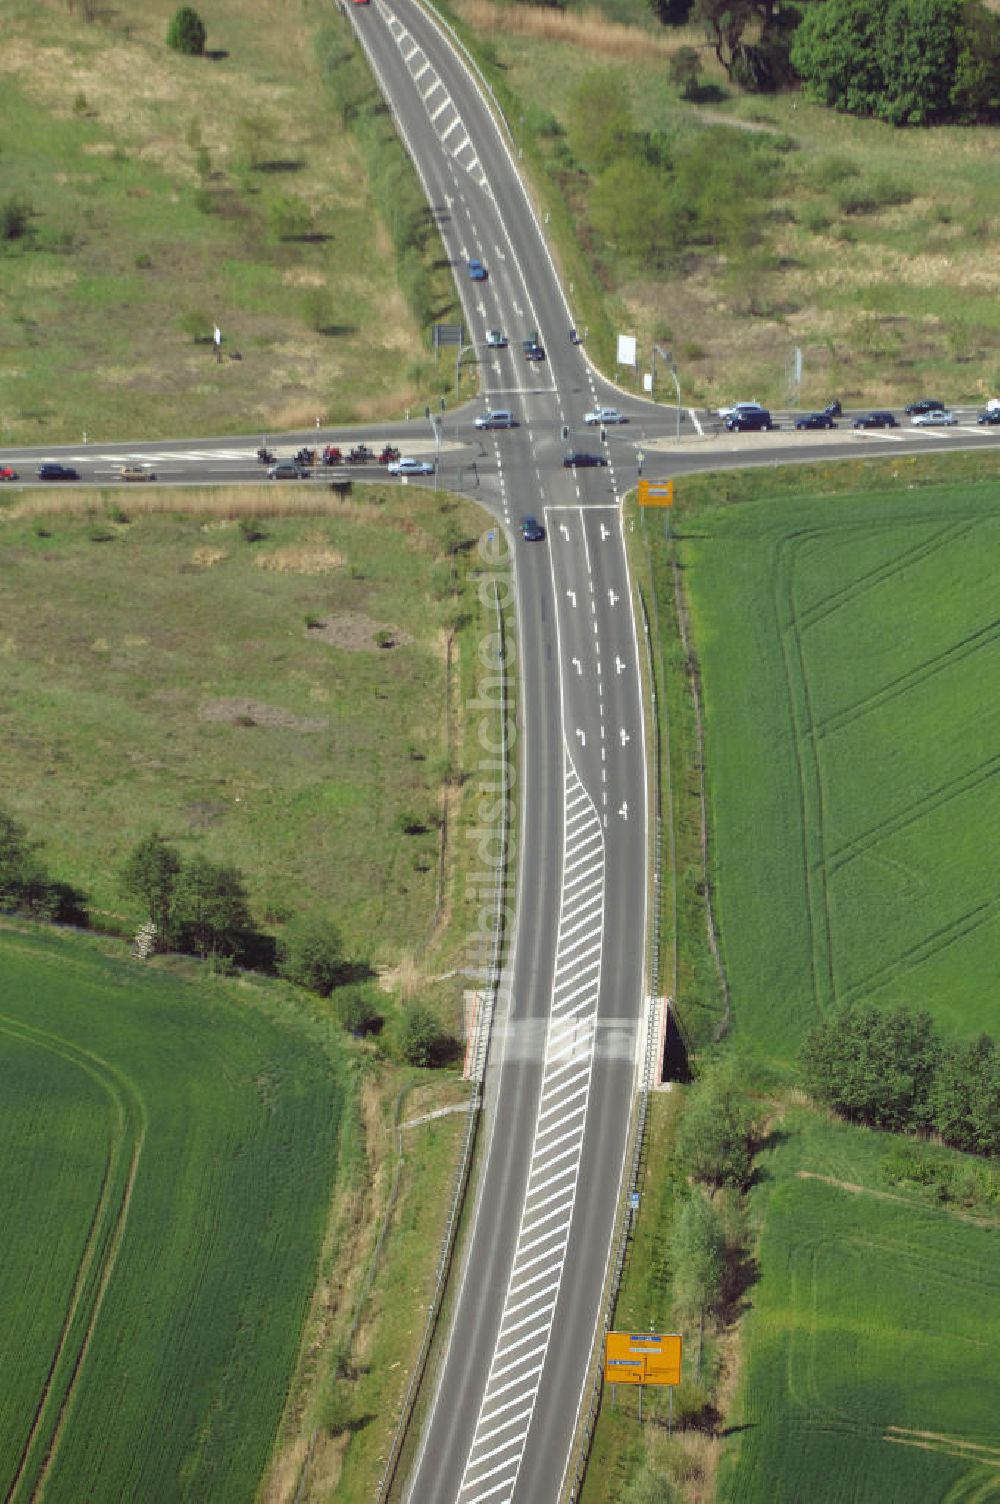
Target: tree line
{"points": [[890, 1068], [908, 62], [199, 907]]}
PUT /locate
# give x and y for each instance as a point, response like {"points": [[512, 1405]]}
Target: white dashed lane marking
{"points": [[522, 1341]]}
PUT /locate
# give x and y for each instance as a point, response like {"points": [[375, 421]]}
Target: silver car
{"points": [[500, 417], [409, 466], [934, 418], [602, 415]]}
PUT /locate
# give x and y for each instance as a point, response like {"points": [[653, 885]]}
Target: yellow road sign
{"points": [[642, 1358], [656, 493]]}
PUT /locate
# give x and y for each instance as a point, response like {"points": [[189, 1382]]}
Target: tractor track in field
{"points": [[828, 605], [966, 647], [96, 1262], [931, 945], [811, 806], [955, 788]]}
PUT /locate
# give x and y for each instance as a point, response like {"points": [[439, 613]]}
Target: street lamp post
{"points": [[436, 426], [666, 355]]}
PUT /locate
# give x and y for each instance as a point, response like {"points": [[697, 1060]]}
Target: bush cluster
{"points": [[196, 905], [653, 196], [891, 1069], [908, 62], [25, 884]]}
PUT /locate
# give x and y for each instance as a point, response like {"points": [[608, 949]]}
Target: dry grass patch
{"points": [[354, 632], [587, 29], [306, 558], [206, 557]]}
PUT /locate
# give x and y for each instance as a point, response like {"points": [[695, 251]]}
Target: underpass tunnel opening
{"points": [[674, 1063]]}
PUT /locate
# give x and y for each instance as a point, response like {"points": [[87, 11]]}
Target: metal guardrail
{"points": [[473, 1118]]}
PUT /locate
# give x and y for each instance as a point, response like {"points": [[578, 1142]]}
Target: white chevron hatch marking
{"points": [[536, 1273]]}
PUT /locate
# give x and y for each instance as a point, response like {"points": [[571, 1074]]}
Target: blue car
{"points": [[477, 270]]}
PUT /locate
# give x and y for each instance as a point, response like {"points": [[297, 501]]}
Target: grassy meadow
{"points": [[292, 705], [169, 1154], [159, 189]]}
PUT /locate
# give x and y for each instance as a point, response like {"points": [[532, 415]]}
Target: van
{"points": [[498, 418], [749, 420]]}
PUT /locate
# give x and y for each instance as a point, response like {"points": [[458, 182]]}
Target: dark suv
{"points": [[52, 471], [749, 420], [924, 405], [878, 419]]}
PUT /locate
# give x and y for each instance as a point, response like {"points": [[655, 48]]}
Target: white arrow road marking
{"points": [[625, 738], [533, 1288], [623, 809], [572, 598], [605, 533], [577, 665], [564, 530], [583, 736], [612, 598], [619, 665]]}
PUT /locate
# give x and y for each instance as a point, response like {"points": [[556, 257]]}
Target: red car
{"points": [[6, 473]]}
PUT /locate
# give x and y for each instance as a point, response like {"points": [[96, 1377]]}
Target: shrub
{"points": [[357, 1012], [290, 217], [186, 32], [197, 324], [421, 1039], [15, 218], [685, 71], [311, 953], [317, 309], [715, 1140]]}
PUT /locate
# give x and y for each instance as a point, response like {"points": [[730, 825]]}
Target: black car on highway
{"points": [[749, 420], [877, 419], [991, 415], [532, 530], [923, 405], [578, 458], [51, 471], [815, 420]]}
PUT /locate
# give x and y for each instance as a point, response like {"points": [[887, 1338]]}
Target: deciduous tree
{"points": [[150, 875]]}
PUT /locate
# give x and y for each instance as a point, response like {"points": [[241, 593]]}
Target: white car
{"points": [[936, 416], [409, 466], [602, 415]]}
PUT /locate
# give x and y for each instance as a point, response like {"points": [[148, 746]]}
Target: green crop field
{"points": [[850, 649], [846, 633], [167, 1161], [872, 1340]]}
